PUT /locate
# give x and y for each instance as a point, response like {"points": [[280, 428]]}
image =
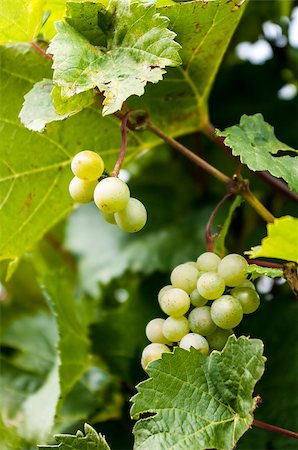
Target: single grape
{"points": [[249, 299], [211, 285], [196, 299], [82, 190], [217, 340], [153, 352], [233, 269], [133, 217], [109, 217], [208, 262], [195, 340], [163, 290], [111, 195], [87, 165], [175, 302], [175, 328], [247, 284], [226, 312], [185, 276], [200, 321], [154, 331]]}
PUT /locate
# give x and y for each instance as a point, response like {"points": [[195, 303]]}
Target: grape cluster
{"points": [[214, 292], [111, 195]]}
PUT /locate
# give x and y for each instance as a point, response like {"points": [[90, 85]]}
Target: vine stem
{"points": [[208, 232], [275, 429], [41, 50], [122, 152], [265, 264]]}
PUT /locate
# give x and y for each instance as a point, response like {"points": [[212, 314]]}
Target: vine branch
{"points": [[275, 429], [208, 233]]}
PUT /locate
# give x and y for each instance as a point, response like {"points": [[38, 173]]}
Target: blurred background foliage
{"points": [[105, 283]]}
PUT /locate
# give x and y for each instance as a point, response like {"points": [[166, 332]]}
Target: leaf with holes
{"points": [[255, 142], [199, 402]]}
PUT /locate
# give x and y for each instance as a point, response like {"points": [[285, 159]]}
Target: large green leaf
{"points": [[199, 402], [138, 49], [91, 440], [281, 241], [255, 142]]}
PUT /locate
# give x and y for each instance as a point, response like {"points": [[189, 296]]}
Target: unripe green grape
{"points": [[152, 352], [175, 302], [163, 290], [226, 312], [175, 328], [196, 299], [217, 340], [196, 341], [87, 165], [154, 331], [111, 195], [200, 321], [247, 284], [133, 217], [81, 190], [185, 276], [249, 299], [233, 269], [208, 262], [109, 217], [211, 285]]}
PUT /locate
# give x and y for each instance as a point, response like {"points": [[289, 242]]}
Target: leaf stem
{"points": [[265, 264], [208, 233], [41, 50], [122, 152], [275, 429]]}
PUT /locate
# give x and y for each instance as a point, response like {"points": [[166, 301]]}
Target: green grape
{"points": [[152, 352], [109, 217], [226, 312], [163, 290], [249, 299], [133, 217], [211, 285], [81, 190], [175, 328], [154, 331], [111, 195], [87, 165], [175, 302], [247, 284], [217, 340], [200, 321], [196, 341], [185, 276], [196, 299], [208, 262], [233, 269]]}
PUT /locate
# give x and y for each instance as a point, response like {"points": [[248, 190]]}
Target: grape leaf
{"points": [[199, 402], [20, 20], [258, 271], [91, 440], [137, 52], [255, 142], [56, 10], [280, 241]]}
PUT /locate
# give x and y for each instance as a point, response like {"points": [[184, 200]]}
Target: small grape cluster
{"points": [[217, 294], [111, 195]]}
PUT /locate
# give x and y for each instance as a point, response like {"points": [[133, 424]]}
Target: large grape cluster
{"points": [[111, 195], [205, 301]]}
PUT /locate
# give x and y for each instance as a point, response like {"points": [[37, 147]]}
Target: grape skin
{"points": [[233, 269], [248, 298], [208, 262], [87, 165], [211, 285], [196, 299], [133, 217], [154, 331], [111, 195], [152, 352], [200, 321], [175, 302], [82, 190], [163, 290], [175, 328], [109, 217], [226, 312], [185, 276], [196, 341], [217, 340]]}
